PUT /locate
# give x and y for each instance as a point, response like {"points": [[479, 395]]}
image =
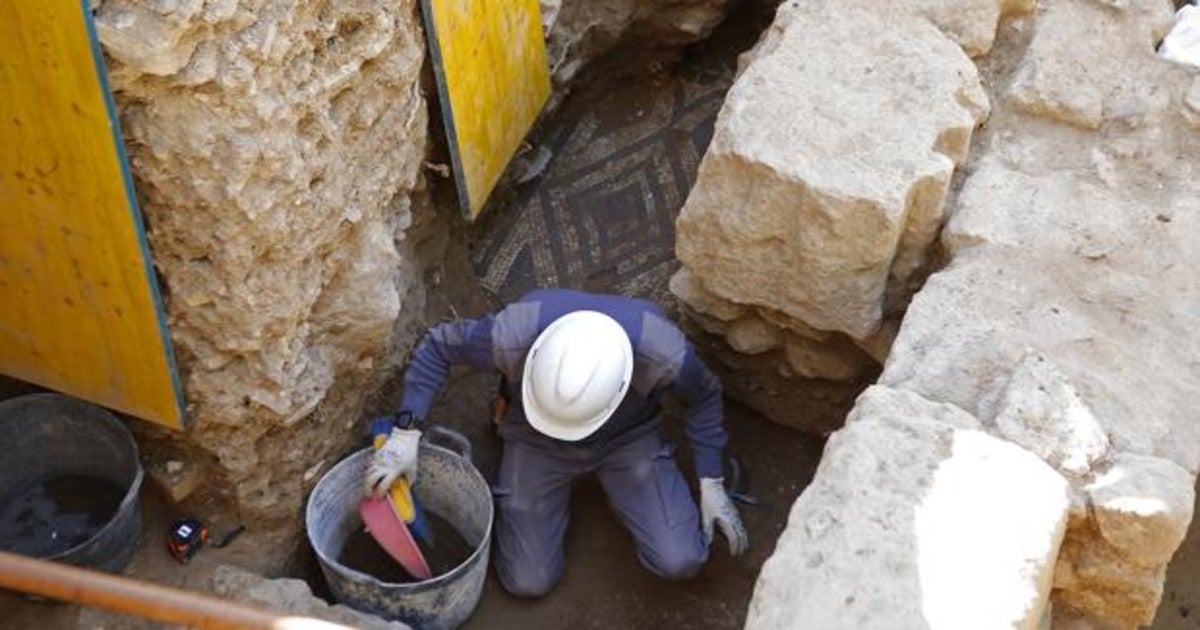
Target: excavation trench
{"points": [[599, 216], [624, 147]]}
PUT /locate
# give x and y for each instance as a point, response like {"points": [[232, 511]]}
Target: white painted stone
{"points": [[914, 523]]}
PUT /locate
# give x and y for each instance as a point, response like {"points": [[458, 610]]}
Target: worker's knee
{"points": [[528, 581], [677, 561]]}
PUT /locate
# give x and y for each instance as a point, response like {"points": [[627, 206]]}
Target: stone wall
{"points": [[1031, 438], [808, 233], [275, 147], [277, 150]]}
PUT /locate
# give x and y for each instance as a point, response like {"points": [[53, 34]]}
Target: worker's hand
{"points": [[397, 456], [716, 506]]}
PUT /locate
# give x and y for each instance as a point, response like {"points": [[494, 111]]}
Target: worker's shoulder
{"points": [[660, 339]]}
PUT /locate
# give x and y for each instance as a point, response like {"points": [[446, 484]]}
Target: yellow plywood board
{"points": [[490, 60], [79, 304]]}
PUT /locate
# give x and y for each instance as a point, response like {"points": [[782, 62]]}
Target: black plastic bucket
{"points": [[48, 436]]}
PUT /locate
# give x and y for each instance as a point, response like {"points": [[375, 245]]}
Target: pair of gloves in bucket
{"points": [[398, 456]]}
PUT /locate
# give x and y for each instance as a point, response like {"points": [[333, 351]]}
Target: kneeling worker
{"points": [[590, 370]]}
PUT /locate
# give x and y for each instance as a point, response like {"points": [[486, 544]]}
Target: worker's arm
{"points": [[397, 438], [700, 392], [463, 342]]}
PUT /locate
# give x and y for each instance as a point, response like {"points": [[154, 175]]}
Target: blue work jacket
{"points": [[663, 361]]}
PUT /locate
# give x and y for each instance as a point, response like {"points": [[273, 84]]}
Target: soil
{"points": [[444, 553], [604, 587]]}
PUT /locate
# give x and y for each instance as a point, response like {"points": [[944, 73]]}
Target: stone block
{"points": [[829, 166], [912, 522], [1143, 506]]}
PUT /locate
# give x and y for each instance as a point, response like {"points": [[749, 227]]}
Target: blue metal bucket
{"points": [[449, 486]]}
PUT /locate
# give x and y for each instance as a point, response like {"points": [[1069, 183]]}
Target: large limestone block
{"points": [[830, 163], [1099, 580], [1123, 357], [970, 23], [1136, 226], [1127, 352], [275, 147], [913, 522], [1083, 53]]}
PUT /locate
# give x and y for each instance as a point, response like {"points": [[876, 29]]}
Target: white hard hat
{"points": [[576, 374]]}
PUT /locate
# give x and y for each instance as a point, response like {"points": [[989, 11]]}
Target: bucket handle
{"points": [[458, 441]]}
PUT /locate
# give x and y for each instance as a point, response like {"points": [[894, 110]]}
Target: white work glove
{"points": [[715, 505], [397, 456]]}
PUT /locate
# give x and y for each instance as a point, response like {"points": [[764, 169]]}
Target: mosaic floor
{"points": [[601, 217]]}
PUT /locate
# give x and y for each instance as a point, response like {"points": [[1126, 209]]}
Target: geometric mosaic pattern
{"points": [[602, 215]]}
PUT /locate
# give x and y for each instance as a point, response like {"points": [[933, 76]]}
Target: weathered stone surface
{"points": [[1080, 52], [1143, 506], [1096, 578], [878, 402], [581, 30], [905, 510], [293, 597], [766, 383], [275, 147], [809, 214], [969, 329], [834, 358], [691, 290], [1065, 322], [970, 23], [753, 335], [1042, 412], [1077, 248]]}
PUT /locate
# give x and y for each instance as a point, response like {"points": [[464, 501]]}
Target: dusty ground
{"points": [[604, 586]]}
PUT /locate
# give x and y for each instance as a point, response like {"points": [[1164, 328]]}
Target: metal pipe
{"points": [[142, 599]]}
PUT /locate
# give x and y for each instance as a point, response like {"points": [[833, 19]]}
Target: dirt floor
{"points": [[604, 587], [600, 217]]}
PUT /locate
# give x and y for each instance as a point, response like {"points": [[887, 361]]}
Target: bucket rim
{"points": [[451, 575], [110, 420]]}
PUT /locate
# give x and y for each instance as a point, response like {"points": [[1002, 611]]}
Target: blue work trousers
{"points": [[644, 487]]}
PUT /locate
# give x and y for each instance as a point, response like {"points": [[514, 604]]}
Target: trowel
{"points": [[389, 530]]}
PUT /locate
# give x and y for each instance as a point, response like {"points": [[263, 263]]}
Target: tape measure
{"points": [[187, 536]]}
